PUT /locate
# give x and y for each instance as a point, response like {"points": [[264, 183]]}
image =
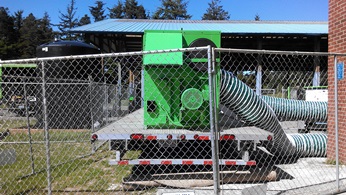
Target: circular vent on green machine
{"points": [[192, 98], [201, 42], [200, 65]]}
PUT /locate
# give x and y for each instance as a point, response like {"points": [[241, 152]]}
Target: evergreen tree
{"points": [[84, 20], [172, 10], [18, 21], [134, 11], [215, 12], [257, 17], [45, 30], [7, 35], [19, 35], [98, 12], [29, 38], [117, 11], [68, 21], [129, 10]]}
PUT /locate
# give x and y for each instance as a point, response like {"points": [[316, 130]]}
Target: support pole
{"points": [[29, 129], [259, 69], [259, 80], [213, 121], [317, 73], [93, 145], [131, 91], [119, 89], [46, 131], [336, 123]]}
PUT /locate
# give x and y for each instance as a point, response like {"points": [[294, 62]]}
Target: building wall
{"points": [[336, 44]]}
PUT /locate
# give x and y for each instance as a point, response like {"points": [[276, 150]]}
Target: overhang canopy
{"points": [[137, 26]]}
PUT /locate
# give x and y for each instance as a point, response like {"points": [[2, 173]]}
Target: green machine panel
{"points": [[191, 38], [160, 40], [176, 93]]}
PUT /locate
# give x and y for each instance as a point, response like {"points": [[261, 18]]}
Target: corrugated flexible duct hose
{"points": [[313, 145], [292, 110], [251, 108], [309, 145]]}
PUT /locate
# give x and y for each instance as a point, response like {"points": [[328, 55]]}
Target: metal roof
{"points": [[137, 26]]}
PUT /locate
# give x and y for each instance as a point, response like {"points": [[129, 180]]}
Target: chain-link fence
{"points": [[183, 121]]}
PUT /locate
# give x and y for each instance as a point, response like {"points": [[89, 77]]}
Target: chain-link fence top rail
{"points": [[148, 116]]}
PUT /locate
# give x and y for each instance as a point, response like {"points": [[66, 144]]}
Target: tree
{"points": [[7, 35], [98, 12], [134, 11], [129, 10], [257, 17], [17, 25], [18, 21], [84, 20], [215, 12], [19, 35], [172, 10], [33, 33], [117, 11], [29, 39], [68, 21], [45, 31]]}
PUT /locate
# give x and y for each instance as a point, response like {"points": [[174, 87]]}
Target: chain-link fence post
{"points": [[118, 92], [93, 145], [46, 131], [216, 68], [105, 107], [26, 104], [259, 75], [213, 130], [336, 121]]}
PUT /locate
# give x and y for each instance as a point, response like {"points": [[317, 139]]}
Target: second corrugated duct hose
{"points": [[264, 112]]}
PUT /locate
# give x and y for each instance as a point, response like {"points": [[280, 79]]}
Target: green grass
{"points": [[15, 123], [333, 162], [73, 167]]}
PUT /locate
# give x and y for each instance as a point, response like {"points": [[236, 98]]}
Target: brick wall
{"points": [[336, 44]]}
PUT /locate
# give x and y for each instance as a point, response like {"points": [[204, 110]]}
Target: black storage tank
{"points": [[72, 102]]}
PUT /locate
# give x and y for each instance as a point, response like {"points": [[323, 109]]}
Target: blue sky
{"points": [[291, 10]]}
